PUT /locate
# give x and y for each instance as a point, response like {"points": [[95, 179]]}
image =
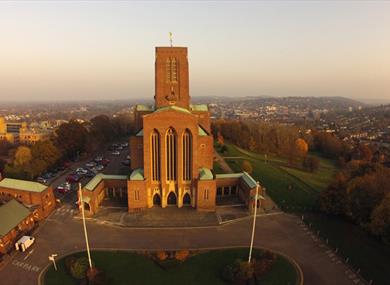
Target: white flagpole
{"points": [[254, 224], [85, 227]]}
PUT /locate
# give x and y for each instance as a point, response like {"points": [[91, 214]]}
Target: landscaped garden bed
{"points": [[227, 266]]}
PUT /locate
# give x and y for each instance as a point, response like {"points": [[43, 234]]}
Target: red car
{"points": [[105, 162], [73, 178]]}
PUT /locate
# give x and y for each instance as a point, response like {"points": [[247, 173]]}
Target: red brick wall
{"points": [[162, 86]]}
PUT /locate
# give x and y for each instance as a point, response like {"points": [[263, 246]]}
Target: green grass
{"points": [[366, 253], [288, 187], [131, 268], [217, 168]]}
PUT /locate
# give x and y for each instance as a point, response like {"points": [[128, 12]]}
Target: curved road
{"points": [[62, 233]]}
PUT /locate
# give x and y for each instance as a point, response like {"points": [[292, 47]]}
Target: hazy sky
{"points": [[105, 50]]}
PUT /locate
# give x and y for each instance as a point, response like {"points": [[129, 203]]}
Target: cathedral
{"points": [[172, 150]]}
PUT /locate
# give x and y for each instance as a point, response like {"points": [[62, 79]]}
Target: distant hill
{"points": [[331, 103]]}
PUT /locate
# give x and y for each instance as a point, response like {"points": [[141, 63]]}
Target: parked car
{"points": [[90, 164], [126, 162], [105, 162], [64, 187], [98, 158], [126, 144], [99, 167], [81, 170], [119, 148], [128, 157], [73, 178], [24, 243], [41, 180], [115, 152]]}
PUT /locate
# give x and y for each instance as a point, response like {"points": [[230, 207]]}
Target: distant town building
{"points": [[18, 132]]}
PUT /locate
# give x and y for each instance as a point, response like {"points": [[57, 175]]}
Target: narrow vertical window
{"points": [[187, 156], [155, 155], [171, 155]]}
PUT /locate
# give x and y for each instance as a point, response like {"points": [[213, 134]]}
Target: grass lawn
{"points": [[217, 168], [363, 251], [205, 268], [288, 187]]}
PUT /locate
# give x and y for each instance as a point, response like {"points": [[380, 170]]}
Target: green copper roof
{"points": [[174, 108], [246, 177], [137, 174], [205, 174], [11, 214], [202, 132], [140, 133], [200, 108], [228, 175], [249, 180], [91, 185], [22, 185], [142, 107]]}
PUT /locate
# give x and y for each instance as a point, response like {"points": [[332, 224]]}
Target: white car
{"points": [[116, 153], [24, 243], [81, 171], [90, 164]]}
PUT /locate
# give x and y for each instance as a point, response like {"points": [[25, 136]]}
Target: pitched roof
{"points": [[205, 174], [22, 185], [202, 132], [11, 214], [140, 133], [248, 179], [174, 108], [91, 185], [137, 174]]}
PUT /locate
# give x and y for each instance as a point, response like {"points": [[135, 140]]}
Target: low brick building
{"points": [[15, 221], [172, 151], [35, 196]]}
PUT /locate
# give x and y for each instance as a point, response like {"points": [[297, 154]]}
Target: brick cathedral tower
{"points": [[171, 75]]}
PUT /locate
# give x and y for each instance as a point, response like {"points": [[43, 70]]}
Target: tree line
{"points": [[68, 142]]}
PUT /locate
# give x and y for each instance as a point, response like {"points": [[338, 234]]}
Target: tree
{"points": [[247, 166], [22, 156], [71, 138], [301, 148], [333, 199], [46, 152], [380, 220]]}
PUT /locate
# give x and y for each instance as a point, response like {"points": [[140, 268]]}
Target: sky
{"points": [[88, 50]]}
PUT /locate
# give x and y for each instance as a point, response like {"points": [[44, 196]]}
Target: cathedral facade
{"points": [[171, 152], [173, 148]]}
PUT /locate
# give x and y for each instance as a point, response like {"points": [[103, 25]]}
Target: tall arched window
{"points": [[171, 154], [155, 157], [187, 155]]}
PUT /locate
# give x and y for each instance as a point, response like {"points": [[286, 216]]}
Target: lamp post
{"points": [[52, 258], [254, 223], [85, 227]]}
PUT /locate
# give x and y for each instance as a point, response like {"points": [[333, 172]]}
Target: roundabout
{"points": [[176, 267]]}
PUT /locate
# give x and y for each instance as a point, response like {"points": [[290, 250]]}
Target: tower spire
{"points": [[171, 38]]}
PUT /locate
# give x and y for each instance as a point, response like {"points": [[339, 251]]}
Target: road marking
{"points": [[28, 254], [25, 266]]}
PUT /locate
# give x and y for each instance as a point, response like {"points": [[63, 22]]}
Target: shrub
{"points": [[79, 268], [69, 262], [96, 277], [182, 255], [263, 264], [238, 272]]}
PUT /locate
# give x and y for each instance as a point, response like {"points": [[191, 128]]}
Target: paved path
{"points": [[62, 233]]}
